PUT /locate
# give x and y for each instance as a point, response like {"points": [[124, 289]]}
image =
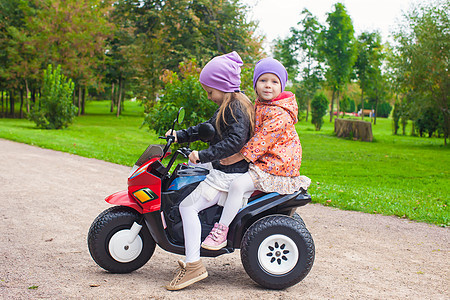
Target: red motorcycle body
{"points": [[144, 190]]}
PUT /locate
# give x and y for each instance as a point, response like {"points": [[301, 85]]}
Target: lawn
{"points": [[393, 175]]}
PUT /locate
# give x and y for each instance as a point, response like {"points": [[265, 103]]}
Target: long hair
{"points": [[245, 104]]}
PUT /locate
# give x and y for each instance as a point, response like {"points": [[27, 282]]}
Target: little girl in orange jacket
{"points": [[274, 152]]}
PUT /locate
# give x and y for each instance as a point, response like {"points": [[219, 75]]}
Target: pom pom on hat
{"points": [[270, 65], [223, 72]]}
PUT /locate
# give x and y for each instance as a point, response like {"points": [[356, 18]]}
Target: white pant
{"points": [[195, 203]]}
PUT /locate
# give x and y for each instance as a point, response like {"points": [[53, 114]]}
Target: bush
{"points": [[428, 122], [56, 110], [187, 93], [319, 106], [383, 110]]}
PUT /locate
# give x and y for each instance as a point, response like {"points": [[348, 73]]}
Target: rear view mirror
{"points": [[180, 116], [179, 119]]}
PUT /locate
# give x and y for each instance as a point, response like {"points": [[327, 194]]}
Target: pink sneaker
{"points": [[217, 238]]}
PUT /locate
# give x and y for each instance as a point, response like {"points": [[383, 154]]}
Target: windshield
{"points": [[152, 151]]}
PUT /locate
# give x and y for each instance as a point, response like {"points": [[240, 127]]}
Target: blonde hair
{"points": [[246, 106]]}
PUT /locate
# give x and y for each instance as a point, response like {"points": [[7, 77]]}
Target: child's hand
{"points": [[231, 159], [170, 132], [193, 157]]}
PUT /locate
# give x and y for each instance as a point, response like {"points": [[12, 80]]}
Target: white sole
{"points": [[214, 248]]}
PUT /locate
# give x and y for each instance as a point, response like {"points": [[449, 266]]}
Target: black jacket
{"points": [[234, 135]]}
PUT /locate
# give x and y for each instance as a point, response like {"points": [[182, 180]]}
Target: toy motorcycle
{"points": [[277, 251]]}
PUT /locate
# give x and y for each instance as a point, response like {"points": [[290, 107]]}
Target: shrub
{"points": [[428, 122], [187, 93], [319, 106], [56, 110], [383, 110]]}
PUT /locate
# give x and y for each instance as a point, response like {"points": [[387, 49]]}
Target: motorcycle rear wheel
{"points": [[277, 252], [108, 245]]}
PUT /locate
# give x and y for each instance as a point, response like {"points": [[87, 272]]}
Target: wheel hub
{"points": [[278, 254], [120, 248]]}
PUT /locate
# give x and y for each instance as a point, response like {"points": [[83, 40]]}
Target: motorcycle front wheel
{"points": [[110, 246]]}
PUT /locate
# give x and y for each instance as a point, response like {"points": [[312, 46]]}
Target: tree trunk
{"points": [[116, 92], [3, 112], [119, 100], [27, 96], [445, 115], [338, 98], [11, 104], [27, 93], [375, 112], [79, 100], [33, 96], [331, 106], [112, 97], [362, 105], [83, 100], [7, 97], [354, 129], [308, 108], [21, 104]]}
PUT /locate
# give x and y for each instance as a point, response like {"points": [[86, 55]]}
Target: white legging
{"points": [[195, 203]]}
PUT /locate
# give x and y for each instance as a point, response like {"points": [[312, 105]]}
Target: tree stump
{"points": [[355, 129]]}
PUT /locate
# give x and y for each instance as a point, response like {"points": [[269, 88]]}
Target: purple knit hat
{"points": [[223, 72], [270, 65]]}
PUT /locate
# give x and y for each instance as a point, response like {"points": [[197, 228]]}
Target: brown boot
{"points": [[187, 274]]}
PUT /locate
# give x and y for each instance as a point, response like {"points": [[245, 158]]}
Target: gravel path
{"points": [[48, 200]]}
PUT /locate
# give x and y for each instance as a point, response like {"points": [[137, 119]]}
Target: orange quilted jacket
{"points": [[275, 147]]}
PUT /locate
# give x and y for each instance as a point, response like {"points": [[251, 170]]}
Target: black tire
{"points": [[277, 252], [109, 224], [297, 217]]}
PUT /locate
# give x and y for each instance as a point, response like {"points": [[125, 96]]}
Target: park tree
{"points": [[19, 64], [192, 30], [369, 67], [299, 54], [337, 50], [422, 49], [72, 33], [368, 62], [35, 33], [129, 44], [123, 55], [377, 90]]}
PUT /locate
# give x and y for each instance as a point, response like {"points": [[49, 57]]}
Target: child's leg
{"points": [[241, 185], [217, 238], [192, 229]]}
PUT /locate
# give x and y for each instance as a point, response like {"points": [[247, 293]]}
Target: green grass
{"points": [[99, 134], [394, 175]]}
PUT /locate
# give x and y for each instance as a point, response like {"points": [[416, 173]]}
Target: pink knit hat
{"points": [[223, 72]]}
